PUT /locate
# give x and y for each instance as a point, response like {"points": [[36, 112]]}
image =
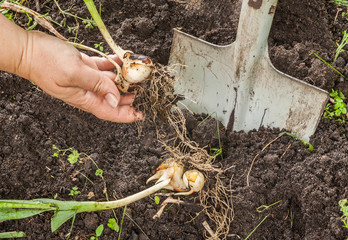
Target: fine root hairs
{"points": [[218, 206], [216, 199]]}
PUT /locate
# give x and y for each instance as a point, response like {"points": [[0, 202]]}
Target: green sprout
{"points": [[343, 43], [74, 191], [73, 157], [157, 200], [98, 232], [341, 2], [99, 46], [310, 146], [344, 209], [8, 14], [113, 225], [337, 108]]}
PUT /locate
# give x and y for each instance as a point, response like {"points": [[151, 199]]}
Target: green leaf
{"points": [[55, 154], [73, 157], [113, 225], [99, 230], [61, 217], [157, 200], [17, 209], [99, 172], [15, 213], [12, 235]]}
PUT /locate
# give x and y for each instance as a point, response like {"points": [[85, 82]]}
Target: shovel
{"points": [[238, 82]]}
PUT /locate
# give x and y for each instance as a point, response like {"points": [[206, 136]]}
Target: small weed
{"points": [[343, 43], [98, 233], [113, 224], [310, 146], [157, 200], [337, 108], [76, 156], [8, 14], [74, 191], [73, 157], [99, 46], [328, 64], [344, 209], [341, 2], [89, 23], [215, 152]]}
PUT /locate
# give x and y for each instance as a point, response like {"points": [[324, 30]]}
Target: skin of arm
{"points": [[65, 73]]}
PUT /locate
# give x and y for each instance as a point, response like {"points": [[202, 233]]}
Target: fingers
{"points": [[101, 63], [99, 82], [98, 106], [126, 99]]}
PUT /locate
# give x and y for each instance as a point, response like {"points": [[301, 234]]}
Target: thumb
{"points": [[100, 83]]}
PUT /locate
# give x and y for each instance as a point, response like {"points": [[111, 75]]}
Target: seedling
{"points": [[157, 200], [341, 2], [98, 232], [99, 46], [337, 108], [343, 43], [74, 191], [344, 209], [8, 13], [215, 152], [310, 146], [73, 157], [113, 225]]}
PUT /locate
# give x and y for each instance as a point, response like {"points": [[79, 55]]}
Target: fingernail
{"points": [[111, 100]]}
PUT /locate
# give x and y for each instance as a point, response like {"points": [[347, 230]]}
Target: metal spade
{"points": [[239, 83]]}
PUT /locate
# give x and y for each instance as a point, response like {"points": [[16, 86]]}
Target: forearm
{"points": [[13, 44]]}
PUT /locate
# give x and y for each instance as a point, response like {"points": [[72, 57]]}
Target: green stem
{"points": [[86, 206], [102, 28]]}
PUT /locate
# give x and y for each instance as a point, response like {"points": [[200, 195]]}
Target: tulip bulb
{"points": [[136, 68]]}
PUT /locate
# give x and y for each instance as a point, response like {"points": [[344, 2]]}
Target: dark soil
{"points": [[309, 185]]}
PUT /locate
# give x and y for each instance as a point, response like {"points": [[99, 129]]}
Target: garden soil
{"points": [[306, 185]]}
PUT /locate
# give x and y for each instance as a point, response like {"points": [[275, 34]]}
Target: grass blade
{"points": [[12, 235]]}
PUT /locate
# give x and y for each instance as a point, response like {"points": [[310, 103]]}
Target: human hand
{"points": [[79, 80]]}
